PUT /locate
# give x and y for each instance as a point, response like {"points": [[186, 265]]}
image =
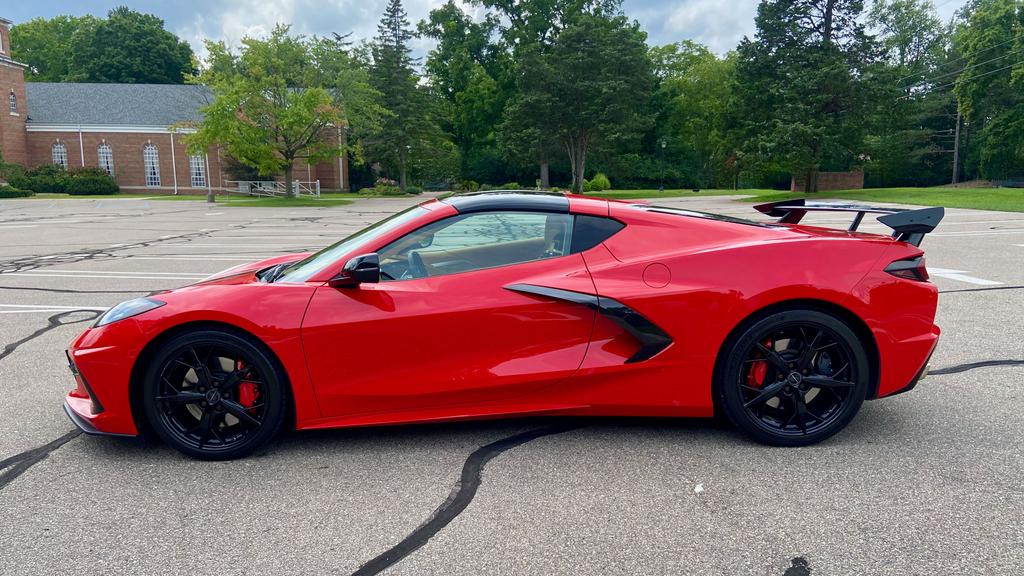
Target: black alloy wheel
{"points": [[794, 378], [214, 395]]}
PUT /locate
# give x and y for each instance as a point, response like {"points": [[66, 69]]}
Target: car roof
{"points": [[539, 201]]}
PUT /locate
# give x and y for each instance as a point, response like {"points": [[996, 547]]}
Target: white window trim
{"points": [[99, 157], [157, 181], [12, 103], [60, 159], [197, 170]]}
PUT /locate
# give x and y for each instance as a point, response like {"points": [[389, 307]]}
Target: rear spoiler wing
{"points": [[908, 225]]}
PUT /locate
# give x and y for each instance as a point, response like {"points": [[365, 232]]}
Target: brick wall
{"points": [[12, 126], [129, 167], [853, 180]]}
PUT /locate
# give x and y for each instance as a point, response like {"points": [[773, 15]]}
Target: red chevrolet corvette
{"points": [[513, 303]]}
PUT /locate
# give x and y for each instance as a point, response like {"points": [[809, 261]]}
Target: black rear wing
{"points": [[907, 225]]}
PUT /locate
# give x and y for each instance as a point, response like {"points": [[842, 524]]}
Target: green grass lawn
{"points": [[1004, 199], [633, 194]]}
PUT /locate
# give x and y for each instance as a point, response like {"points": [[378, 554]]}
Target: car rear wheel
{"points": [[793, 378], [214, 394]]}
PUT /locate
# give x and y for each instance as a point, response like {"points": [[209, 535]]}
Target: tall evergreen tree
{"points": [[409, 134], [800, 85]]}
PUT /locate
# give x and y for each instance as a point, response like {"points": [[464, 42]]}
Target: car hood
{"points": [[246, 272]]}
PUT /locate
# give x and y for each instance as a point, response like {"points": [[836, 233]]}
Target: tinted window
{"points": [[477, 241], [589, 231], [305, 269]]}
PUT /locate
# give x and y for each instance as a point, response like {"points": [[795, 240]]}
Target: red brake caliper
{"points": [[247, 391], [758, 370]]}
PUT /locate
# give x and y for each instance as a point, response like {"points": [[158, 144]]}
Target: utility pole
{"points": [[956, 146]]}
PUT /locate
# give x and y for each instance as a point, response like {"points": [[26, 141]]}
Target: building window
{"points": [[12, 102], [197, 169], [60, 155], [106, 157], [151, 160]]}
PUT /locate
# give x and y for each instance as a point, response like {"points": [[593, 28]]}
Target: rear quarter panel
{"points": [[719, 274]]}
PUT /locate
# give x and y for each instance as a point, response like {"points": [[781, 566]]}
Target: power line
{"points": [[982, 51], [1007, 67], [929, 80]]}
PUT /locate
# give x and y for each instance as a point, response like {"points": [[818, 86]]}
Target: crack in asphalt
{"points": [[18, 464], [958, 368], [460, 497], [1016, 287], [67, 290], [54, 321]]}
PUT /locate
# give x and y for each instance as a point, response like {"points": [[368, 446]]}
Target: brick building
{"points": [[132, 131]]}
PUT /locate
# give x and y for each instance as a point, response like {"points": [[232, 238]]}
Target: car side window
{"points": [[476, 241]]}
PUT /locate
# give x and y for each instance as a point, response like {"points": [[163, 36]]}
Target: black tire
{"points": [[759, 393], [215, 395]]}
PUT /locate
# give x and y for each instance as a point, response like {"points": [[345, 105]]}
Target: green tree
{"points": [[990, 88], [129, 47], [584, 89], [265, 113], [410, 135], [45, 45], [799, 85]]}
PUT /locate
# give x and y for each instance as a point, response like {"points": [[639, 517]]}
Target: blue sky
{"points": [[718, 24]]}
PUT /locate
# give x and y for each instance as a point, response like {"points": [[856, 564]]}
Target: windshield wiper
{"points": [[274, 272]]}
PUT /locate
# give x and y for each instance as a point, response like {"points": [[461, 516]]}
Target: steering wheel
{"points": [[417, 268]]}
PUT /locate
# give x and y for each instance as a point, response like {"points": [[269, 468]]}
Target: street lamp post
{"points": [[661, 183]]}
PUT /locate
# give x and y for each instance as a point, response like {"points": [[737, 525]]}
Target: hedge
{"points": [[12, 192]]}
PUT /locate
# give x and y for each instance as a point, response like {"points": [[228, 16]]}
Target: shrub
{"points": [[468, 186], [587, 186], [600, 182], [511, 186], [46, 178], [413, 190], [386, 187], [90, 182], [12, 192], [367, 191], [487, 187]]}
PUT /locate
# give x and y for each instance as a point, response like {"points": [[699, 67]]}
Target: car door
{"points": [[442, 329]]}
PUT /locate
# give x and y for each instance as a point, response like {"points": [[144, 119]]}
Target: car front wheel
{"points": [[214, 395], [793, 378]]}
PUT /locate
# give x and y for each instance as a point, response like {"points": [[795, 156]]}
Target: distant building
{"points": [[125, 129]]}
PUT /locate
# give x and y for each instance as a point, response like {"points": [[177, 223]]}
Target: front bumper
{"points": [[101, 361]]}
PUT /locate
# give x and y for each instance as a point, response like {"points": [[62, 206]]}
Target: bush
{"points": [[511, 186], [587, 186], [12, 192], [386, 187], [46, 178], [600, 182], [91, 182], [413, 190], [468, 186]]}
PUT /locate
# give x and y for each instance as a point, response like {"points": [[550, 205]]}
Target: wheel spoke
{"points": [[204, 427], [770, 391], [809, 351], [202, 370], [180, 398], [240, 412], [801, 411], [826, 382], [777, 361]]}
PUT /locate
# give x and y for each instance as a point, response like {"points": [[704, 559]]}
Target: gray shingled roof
{"points": [[115, 104]]}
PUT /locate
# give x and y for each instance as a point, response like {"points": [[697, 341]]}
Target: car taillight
{"points": [[911, 269]]}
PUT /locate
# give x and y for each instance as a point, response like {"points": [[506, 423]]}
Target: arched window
{"points": [[12, 102], [151, 162], [106, 158], [197, 169], [60, 154]]}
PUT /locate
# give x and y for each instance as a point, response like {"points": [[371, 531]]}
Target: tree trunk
{"points": [[289, 188], [401, 176], [545, 179]]}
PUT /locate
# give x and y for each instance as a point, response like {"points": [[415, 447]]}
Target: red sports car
{"points": [[513, 303]]}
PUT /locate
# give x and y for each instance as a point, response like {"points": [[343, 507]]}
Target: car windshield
{"points": [[305, 269]]}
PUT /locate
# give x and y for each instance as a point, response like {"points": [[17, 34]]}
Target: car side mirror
{"points": [[362, 269]]}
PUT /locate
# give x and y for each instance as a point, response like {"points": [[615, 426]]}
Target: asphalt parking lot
{"points": [[929, 482]]}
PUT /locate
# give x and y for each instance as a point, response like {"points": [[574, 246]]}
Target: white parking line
{"points": [[104, 277], [12, 227], [961, 276], [977, 233], [192, 258], [39, 307]]}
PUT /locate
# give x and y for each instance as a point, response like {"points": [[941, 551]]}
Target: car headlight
{"points": [[128, 309]]}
